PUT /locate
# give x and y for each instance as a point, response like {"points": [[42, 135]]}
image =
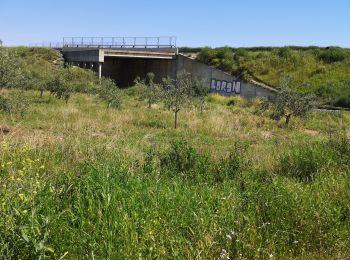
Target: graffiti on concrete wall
{"points": [[223, 86]]}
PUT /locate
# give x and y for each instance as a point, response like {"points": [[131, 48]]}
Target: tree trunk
{"points": [[288, 119], [175, 121], [41, 92], [149, 105]]}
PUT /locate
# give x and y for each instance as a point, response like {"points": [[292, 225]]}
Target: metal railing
{"points": [[120, 42], [55, 45]]}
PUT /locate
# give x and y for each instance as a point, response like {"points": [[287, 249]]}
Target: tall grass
{"points": [[177, 208], [80, 181]]}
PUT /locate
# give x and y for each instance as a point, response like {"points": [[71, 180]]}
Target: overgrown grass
{"points": [[80, 181]]}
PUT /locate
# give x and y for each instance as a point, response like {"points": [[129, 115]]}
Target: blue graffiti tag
{"points": [[223, 86]]}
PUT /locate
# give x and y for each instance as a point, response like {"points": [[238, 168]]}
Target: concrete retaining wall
{"points": [[222, 82]]}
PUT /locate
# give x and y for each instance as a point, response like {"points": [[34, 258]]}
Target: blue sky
{"points": [[195, 23]]}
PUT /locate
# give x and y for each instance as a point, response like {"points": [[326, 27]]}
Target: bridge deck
{"points": [[98, 55]]}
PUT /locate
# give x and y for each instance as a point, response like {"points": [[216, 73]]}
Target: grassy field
{"points": [[78, 180]]}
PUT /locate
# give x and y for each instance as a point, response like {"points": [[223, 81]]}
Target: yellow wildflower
{"points": [[42, 167], [21, 196]]}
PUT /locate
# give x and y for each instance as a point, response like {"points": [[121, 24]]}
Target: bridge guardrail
{"points": [[120, 42]]}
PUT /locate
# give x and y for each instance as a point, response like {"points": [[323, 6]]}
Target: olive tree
{"points": [[59, 86], [290, 103], [39, 80], [15, 102], [177, 92], [110, 93], [150, 91], [199, 91], [10, 73]]}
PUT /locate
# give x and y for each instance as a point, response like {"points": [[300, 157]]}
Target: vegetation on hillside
{"points": [[321, 71], [43, 69]]}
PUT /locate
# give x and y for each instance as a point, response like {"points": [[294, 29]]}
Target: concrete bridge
{"points": [[123, 59]]}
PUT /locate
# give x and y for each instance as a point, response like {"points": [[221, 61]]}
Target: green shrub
{"points": [[343, 101], [183, 160], [305, 162], [5, 104], [150, 92], [60, 87], [15, 103], [340, 144], [110, 93], [10, 71], [228, 168], [180, 158], [332, 54], [231, 102], [285, 53]]}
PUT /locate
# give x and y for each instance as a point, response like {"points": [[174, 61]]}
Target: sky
{"points": [[195, 23]]}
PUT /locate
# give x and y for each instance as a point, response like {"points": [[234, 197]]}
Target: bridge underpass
{"points": [[124, 62], [125, 70]]}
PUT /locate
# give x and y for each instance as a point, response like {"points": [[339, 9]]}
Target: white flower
{"points": [[228, 237], [224, 254], [270, 255]]}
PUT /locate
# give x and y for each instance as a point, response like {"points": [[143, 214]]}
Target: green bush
{"points": [[180, 158], [340, 144], [60, 86], [15, 103], [332, 54], [227, 168], [305, 162], [110, 93], [285, 53], [5, 104], [184, 161]]}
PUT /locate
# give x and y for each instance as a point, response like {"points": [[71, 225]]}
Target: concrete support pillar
{"points": [[99, 70], [91, 65]]}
